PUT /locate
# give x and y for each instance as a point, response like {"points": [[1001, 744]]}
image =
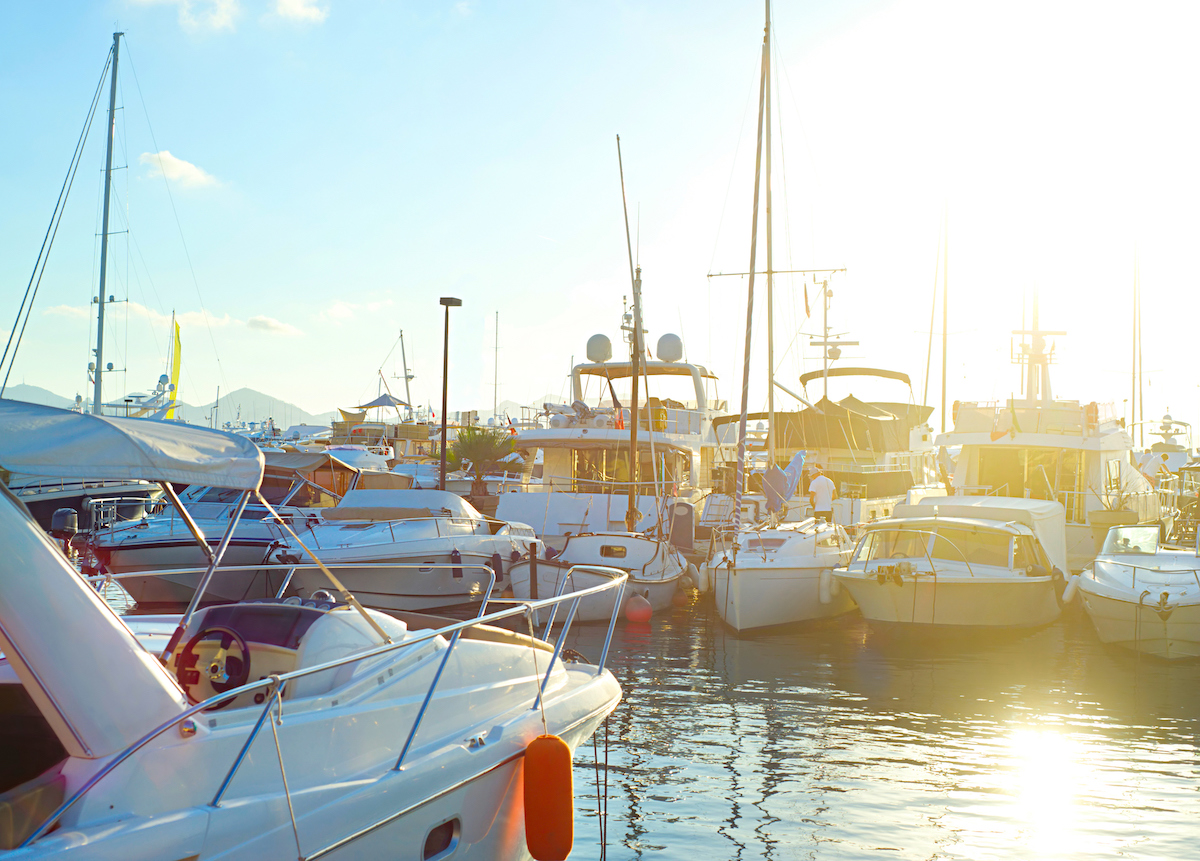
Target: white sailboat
{"points": [[771, 573]]}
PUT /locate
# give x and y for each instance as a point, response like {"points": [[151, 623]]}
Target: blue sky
{"points": [[337, 166]]}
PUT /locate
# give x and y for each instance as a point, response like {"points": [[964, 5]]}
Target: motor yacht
{"points": [[961, 562], [416, 550], [1144, 595], [300, 487], [269, 728]]}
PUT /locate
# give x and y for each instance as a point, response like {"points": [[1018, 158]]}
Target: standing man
{"points": [[821, 493]]}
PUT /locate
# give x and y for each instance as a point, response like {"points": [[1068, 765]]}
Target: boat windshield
{"points": [[976, 546], [1131, 539], [892, 544]]}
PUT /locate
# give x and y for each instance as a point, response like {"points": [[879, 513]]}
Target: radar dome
{"points": [[670, 348], [599, 348]]}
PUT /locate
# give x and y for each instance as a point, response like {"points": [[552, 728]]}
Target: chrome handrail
{"points": [[519, 608]]}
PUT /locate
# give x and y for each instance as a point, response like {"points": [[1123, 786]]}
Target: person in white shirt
{"points": [[821, 493]]}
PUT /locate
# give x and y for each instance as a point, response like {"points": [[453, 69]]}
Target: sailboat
{"points": [[774, 573], [654, 564]]}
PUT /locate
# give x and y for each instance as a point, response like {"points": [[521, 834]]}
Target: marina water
{"points": [[830, 742]]}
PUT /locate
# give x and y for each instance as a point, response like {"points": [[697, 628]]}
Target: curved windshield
{"points": [[1131, 539], [892, 544]]}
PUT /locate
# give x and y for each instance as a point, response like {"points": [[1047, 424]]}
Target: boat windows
{"points": [[893, 544], [612, 551], [1131, 539], [976, 546], [227, 495], [1028, 554], [441, 840]]}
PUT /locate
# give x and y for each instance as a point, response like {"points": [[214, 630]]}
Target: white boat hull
{"points": [[594, 608], [1122, 622], [179, 588], [750, 597], [996, 603]]}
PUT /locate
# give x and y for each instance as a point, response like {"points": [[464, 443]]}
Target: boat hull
{"points": [[752, 597], [999, 603], [174, 589], [1172, 635], [594, 608]]}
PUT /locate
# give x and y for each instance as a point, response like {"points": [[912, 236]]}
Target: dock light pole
{"points": [[448, 302]]}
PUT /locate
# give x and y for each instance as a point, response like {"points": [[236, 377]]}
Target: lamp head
{"points": [[450, 301]]}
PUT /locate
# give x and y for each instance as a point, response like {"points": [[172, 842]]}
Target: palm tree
{"points": [[485, 449]]}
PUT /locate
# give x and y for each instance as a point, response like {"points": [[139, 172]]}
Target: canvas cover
{"points": [[1047, 519], [845, 424], [40, 440]]}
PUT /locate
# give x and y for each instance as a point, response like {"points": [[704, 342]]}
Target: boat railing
{"points": [[1133, 570], [106, 512], [273, 688]]}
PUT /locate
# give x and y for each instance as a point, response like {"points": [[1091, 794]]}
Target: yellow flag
{"points": [[174, 373]]}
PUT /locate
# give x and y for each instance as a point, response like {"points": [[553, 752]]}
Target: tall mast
{"points": [[1141, 401], [407, 375], [945, 305], [770, 268], [97, 392], [496, 370], [632, 515], [739, 482]]}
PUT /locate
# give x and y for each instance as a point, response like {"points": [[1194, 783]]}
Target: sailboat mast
{"points": [[407, 376], [496, 370], [770, 268], [740, 481], [632, 515], [1141, 401], [945, 306], [97, 391]]}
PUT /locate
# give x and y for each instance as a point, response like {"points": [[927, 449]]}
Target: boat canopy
{"points": [[281, 462], [41, 440], [1047, 519], [845, 424], [805, 379]]}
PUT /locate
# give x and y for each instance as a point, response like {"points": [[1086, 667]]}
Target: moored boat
{"points": [[1143, 595]]}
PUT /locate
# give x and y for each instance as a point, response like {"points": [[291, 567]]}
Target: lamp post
{"points": [[448, 302]]}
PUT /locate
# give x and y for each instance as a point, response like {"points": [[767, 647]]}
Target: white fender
{"points": [[835, 585], [703, 578], [1071, 588], [825, 588]]}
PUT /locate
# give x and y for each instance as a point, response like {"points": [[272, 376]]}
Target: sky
{"points": [[301, 180]]}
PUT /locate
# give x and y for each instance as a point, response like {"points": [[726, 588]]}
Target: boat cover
{"points": [[1047, 519], [42, 440]]}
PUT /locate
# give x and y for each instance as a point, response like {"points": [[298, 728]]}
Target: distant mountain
{"points": [[254, 406], [37, 395], [251, 405], [512, 409]]}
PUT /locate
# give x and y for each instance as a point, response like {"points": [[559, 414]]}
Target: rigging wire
{"points": [[39, 266], [932, 318], [178, 224]]}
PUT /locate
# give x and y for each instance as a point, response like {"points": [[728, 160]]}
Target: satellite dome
{"points": [[599, 348], [670, 348]]}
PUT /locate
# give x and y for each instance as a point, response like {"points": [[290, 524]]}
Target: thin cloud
{"points": [[202, 14], [186, 174], [463, 8], [188, 320], [301, 10], [270, 324], [67, 311]]}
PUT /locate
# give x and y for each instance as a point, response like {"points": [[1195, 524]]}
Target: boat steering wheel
{"points": [[223, 672]]}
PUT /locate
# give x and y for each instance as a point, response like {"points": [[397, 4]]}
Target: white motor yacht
{"points": [[778, 575], [655, 569], [958, 563], [1143, 595], [272, 729], [302, 488], [415, 550]]}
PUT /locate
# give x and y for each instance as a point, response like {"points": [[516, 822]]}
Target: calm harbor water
{"points": [[826, 741]]}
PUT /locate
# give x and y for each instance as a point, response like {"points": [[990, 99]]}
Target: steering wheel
{"points": [[899, 554], [224, 672]]}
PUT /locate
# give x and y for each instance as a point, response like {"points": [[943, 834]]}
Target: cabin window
{"points": [[441, 840], [612, 551], [977, 547], [1131, 539]]}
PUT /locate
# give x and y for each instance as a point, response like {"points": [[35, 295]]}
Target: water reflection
{"points": [[831, 742]]}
